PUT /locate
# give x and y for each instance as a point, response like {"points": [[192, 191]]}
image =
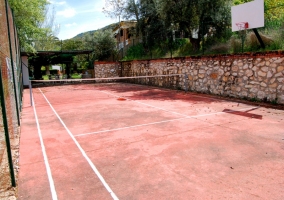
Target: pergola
{"points": [[43, 58]]}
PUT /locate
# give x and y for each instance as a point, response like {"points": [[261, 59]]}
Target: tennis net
{"points": [[173, 81]]}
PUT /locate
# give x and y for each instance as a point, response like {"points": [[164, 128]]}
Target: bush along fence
{"points": [[255, 76], [11, 96]]}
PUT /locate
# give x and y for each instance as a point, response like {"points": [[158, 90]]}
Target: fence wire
{"points": [[11, 96]]}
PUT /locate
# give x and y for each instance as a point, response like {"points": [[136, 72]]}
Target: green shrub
{"points": [[219, 49], [135, 52]]}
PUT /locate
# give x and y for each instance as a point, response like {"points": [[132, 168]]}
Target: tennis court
{"points": [[128, 141]]}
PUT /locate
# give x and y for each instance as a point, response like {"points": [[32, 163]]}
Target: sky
{"points": [[77, 16]]}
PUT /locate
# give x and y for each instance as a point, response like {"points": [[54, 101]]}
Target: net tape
{"points": [[102, 79]]}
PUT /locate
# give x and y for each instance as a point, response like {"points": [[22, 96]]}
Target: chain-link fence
{"points": [[11, 89]]}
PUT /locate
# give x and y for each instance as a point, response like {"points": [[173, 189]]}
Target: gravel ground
{"points": [[6, 191]]}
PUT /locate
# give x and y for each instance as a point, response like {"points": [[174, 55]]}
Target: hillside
{"points": [[111, 26]]}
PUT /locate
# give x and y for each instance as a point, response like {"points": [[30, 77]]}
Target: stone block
{"points": [[263, 84], [280, 80], [262, 74], [249, 86], [235, 68], [261, 64], [280, 69], [278, 74], [255, 68], [214, 75], [261, 95], [201, 75], [245, 66], [269, 74], [249, 73], [280, 60], [274, 85], [225, 78], [272, 80], [254, 90], [281, 99], [264, 69]]}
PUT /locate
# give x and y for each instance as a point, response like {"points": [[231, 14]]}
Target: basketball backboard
{"points": [[251, 12]]}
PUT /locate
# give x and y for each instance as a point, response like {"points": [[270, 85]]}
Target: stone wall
{"points": [[252, 76], [107, 69]]}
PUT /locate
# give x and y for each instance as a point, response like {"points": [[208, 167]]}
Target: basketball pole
{"points": [[259, 38]]}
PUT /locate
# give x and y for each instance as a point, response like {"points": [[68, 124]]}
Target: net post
{"points": [[31, 96]]}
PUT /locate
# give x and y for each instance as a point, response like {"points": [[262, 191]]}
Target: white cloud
{"points": [[88, 16], [70, 25], [68, 12]]}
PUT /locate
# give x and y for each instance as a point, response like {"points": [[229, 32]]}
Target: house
{"points": [[125, 34]]}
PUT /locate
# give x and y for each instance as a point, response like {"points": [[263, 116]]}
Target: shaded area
{"points": [[45, 58], [243, 113], [137, 92]]}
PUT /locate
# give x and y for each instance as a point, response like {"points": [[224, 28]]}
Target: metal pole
{"points": [[31, 92], [259, 38], [12, 63], [6, 130]]}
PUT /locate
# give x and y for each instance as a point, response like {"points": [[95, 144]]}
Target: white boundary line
{"points": [[160, 122], [83, 152], [49, 175]]}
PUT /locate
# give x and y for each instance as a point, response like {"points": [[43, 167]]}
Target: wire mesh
{"points": [[169, 81], [11, 95]]}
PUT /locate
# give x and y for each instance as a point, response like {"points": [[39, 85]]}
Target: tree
{"points": [[191, 16], [114, 8], [29, 15], [104, 44]]}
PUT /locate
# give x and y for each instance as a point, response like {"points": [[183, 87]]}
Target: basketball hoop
{"points": [[242, 26]]}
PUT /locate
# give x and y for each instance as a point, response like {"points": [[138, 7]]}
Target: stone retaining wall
{"points": [[252, 76], [107, 69]]}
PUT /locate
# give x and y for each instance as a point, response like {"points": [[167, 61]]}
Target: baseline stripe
{"points": [[83, 152], [48, 171]]}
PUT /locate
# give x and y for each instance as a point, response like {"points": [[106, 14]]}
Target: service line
{"points": [[159, 122]]}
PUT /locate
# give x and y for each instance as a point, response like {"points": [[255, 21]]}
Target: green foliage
{"points": [[135, 52], [29, 15], [186, 49], [104, 44], [73, 44]]}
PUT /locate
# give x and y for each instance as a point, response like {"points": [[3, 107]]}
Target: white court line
{"points": [[160, 122], [49, 175], [83, 152], [127, 127]]}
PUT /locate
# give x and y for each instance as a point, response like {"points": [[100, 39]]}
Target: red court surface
{"points": [[126, 141]]}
